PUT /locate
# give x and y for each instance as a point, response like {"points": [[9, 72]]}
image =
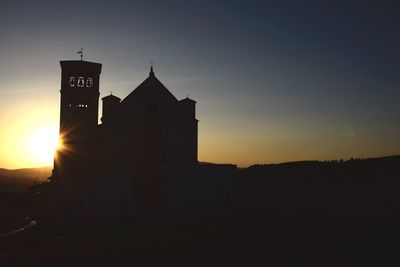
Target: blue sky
{"points": [[274, 80]]}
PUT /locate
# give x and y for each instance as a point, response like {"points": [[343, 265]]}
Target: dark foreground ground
{"points": [[344, 213], [274, 240]]}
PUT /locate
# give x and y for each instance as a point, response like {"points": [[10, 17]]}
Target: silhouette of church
{"points": [[141, 159]]}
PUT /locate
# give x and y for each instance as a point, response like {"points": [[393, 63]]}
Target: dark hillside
{"points": [[20, 180], [320, 186]]}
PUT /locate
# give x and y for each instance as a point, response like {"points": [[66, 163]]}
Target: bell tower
{"points": [[78, 113]]}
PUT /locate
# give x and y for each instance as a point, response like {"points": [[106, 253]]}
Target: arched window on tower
{"points": [[89, 82], [81, 82], [72, 81]]}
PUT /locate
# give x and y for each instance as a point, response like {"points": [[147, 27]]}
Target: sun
{"points": [[42, 144]]}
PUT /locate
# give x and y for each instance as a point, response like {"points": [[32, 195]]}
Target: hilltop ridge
{"points": [[19, 180]]}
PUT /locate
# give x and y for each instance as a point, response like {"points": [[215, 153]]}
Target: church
{"points": [[141, 160]]}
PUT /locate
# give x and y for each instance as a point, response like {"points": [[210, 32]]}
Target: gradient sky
{"points": [[274, 81]]}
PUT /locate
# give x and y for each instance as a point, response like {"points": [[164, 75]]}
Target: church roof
{"points": [[151, 84], [150, 92]]}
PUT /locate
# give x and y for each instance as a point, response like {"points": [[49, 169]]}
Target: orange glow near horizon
{"points": [[30, 138], [42, 144]]}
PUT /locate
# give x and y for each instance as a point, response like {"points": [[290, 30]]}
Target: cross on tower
{"points": [[81, 53]]}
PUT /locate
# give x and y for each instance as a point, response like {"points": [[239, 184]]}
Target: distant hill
{"points": [[355, 183], [21, 179], [356, 171]]}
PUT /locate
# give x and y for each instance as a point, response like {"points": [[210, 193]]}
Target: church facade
{"points": [[141, 160]]}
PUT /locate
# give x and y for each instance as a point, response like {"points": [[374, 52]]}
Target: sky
{"points": [[274, 81]]}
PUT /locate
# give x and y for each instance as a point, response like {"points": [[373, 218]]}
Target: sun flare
{"points": [[42, 144]]}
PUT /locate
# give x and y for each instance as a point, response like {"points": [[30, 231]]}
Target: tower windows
{"points": [[81, 81], [72, 81], [82, 105], [89, 82]]}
